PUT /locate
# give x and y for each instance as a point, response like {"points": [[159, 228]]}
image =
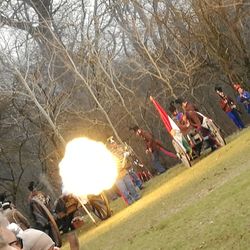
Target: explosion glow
{"points": [[88, 167]]}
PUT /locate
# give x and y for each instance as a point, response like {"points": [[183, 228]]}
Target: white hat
{"points": [[35, 240]]}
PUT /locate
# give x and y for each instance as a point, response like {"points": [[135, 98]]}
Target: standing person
{"points": [[37, 212], [184, 125], [186, 105], [135, 178], [152, 148], [190, 120], [37, 194], [190, 113], [10, 212], [243, 97], [14, 216], [227, 104], [65, 209], [124, 183], [131, 166]]}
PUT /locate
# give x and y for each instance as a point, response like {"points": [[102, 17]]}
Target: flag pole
{"points": [[86, 210]]}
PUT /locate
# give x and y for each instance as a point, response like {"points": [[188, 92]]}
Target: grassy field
{"points": [[206, 206]]}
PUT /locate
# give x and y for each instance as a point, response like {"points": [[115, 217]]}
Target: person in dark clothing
{"points": [[37, 212], [65, 208], [3, 197], [228, 106], [152, 147]]}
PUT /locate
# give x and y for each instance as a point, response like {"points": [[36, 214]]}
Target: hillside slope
{"points": [[203, 207]]}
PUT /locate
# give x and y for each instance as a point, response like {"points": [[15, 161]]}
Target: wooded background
{"points": [[87, 68]]}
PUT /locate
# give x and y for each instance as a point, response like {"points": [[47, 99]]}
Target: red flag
{"points": [[164, 116], [168, 122]]}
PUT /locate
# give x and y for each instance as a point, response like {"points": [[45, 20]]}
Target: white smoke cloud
{"points": [[88, 167]]}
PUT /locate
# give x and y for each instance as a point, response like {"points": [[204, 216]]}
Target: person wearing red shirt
{"points": [[228, 106], [152, 148]]}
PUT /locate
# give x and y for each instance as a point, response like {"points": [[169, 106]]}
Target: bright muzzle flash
{"points": [[88, 167]]}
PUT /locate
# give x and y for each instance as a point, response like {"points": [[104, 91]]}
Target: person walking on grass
{"points": [[153, 148]]}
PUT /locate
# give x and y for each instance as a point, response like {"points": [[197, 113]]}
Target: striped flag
{"points": [[168, 122]]}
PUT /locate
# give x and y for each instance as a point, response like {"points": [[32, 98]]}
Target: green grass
{"points": [[206, 206]]}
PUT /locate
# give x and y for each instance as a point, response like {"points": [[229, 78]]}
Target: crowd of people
{"points": [[12, 236], [16, 231], [190, 121], [229, 106]]}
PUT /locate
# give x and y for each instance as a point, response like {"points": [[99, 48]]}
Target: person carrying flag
{"points": [[184, 125]]}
